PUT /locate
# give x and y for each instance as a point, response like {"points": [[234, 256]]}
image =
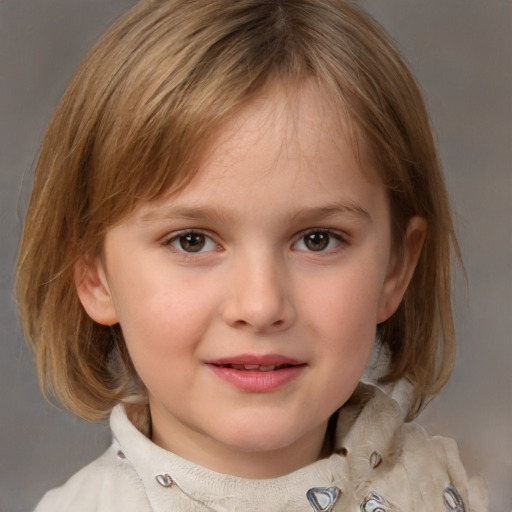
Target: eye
{"points": [[192, 242], [318, 241]]}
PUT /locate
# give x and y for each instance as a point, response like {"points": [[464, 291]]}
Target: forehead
{"points": [[285, 127], [287, 146], [294, 120]]}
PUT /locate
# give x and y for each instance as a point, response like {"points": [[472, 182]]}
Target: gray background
{"points": [[461, 51]]}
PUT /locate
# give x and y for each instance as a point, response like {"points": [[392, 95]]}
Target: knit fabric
{"points": [[379, 461]]}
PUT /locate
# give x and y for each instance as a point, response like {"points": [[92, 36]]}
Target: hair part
{"points": [[140, 113]]}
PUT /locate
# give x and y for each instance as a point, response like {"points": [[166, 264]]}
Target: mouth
{"points": [[257, 374], [257, 367], [256, 363]]}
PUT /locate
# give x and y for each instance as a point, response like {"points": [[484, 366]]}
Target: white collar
{"points": [[221, 492]]}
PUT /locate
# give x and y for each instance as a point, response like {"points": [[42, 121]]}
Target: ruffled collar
{"points": [[163, 474]]}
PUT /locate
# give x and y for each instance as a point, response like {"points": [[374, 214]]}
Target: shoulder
{"points": [[107, 484], [433, 467], [401, 463]]}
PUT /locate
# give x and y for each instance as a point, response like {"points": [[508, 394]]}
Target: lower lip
{"points": [[258, 382]]}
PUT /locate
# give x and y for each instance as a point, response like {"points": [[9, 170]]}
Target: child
{"points": [[234, 202]]}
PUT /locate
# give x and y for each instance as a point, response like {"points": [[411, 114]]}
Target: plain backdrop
{"points": [[461, 51]]}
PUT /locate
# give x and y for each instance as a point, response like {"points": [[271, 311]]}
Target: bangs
{"points": [[139, 116]]}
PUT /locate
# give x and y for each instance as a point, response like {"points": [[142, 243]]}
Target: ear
{"points": [[94, 292], [402, 268]]}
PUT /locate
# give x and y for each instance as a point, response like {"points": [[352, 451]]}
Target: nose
{"points": [[259, 296]]}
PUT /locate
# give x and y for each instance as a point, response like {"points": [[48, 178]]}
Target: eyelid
{"points": [[341, 237], [175, 235]]}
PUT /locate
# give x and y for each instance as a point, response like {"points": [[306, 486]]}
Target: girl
{"points": [[236, 203]]}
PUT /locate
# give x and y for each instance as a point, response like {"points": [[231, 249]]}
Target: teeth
{"points": [[254, 367]]}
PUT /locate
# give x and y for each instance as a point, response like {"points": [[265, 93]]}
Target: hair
{"points": [[138, 115]]}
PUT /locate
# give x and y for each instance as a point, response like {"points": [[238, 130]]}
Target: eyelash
{"points": [[341, 240], [209, 242], [183, 234]]}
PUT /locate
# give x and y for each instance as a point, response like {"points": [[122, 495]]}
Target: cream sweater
{"points": [[380, 465]]}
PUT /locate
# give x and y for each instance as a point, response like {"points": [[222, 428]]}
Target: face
{"points": [[249, 301]]}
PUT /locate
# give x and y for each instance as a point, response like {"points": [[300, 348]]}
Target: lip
{"points": [[257, 381]]}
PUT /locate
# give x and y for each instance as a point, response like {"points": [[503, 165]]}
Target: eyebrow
{"points": [[331, 210], [192, 213], [307, 213]]}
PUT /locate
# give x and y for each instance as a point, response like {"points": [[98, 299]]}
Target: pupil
{"points": [[193, 242], [317, 241]]}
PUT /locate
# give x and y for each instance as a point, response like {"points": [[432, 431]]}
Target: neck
{"points": [[246, 463]]}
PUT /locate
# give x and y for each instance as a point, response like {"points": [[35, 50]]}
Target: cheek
{"points": [[348, 300], [162, 318], [342, 316]]}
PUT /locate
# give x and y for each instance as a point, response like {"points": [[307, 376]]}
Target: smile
{"points": [[258, 368], [256, 374]]}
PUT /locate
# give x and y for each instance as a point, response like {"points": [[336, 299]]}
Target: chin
{"points": [[266, 436], [258, 444]]}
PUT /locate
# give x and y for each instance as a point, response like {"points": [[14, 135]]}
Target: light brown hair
{"points": [[138, 115]]}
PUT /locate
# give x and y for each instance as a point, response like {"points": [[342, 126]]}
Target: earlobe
{"points": [[402, 268], [94, 293]]}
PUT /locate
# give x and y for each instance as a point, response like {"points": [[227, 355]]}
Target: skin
{"points": [[294, 260]]}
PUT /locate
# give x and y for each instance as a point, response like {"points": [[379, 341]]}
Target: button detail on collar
{"points": [[452, 500], [375, 460], [322, 499], [164, 480], [373, 503]]}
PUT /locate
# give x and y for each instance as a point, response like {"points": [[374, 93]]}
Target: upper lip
{"points": [[259, 360]]}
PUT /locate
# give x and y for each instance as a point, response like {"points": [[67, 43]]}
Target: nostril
{"points": [[257, 311]]}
